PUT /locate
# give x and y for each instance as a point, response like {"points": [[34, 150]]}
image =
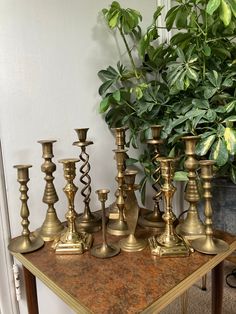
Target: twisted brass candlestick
{"points": [[120, 143], [191, 227], [104, 250], [209, 244], [71, 241], [87, 221], [26, 242], [154, 218], [119, 226], [52, 226], [131, 243], [168, 243]]}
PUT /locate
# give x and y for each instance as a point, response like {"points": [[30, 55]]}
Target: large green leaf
{"points": [[230, 139], [205, 144], [219, 152], [212, 5], [104, 105], [225, 12], [170, 17]]}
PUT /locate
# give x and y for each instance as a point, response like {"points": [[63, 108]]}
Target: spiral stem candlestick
{"points": [[209, 244], [87, 221], [26, 242]]}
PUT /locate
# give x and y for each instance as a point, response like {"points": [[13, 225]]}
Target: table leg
{"points": [[31, 292], [217, 288]]}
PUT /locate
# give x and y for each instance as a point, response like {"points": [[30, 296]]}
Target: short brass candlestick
{"points": [[104, 250], [119, 226], [209, 244], [131, 243], [87, 221], [71, 241], [120, 143], [52, 226], [191, 227], [154, 218], [26, 242], [168, 243]]}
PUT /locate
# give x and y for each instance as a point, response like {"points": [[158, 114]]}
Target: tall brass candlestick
{"points": [[71, 241], [154, 218], [26, 242], [209, 244], [89, 222], [131, 243], [168, 243], [104, 250], [191, 227], [119, 226], [52, 226], [120, 143]]}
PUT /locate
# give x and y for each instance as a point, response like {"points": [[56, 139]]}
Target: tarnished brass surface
{"points": [[26, 242], [209, 244], [191, 227], [71, 241], [168, 243], [52, 226], [104, 250], [154, 218], [87, 221], [119, 226]]}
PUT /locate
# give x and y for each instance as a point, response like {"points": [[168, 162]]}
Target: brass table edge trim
{"points": [[188, 282], [67, 298]]}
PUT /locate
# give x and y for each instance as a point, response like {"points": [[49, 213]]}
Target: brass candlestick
{"points": [[119, 226], [26, 242], [104, 250], [52, 226], [168, 243], [131, 243], [87, 221], [191, 227], [209, 244], [120, 143], [71, 241], [154, 218]]}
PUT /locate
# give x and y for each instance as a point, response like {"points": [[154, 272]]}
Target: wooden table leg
{"points": [[217, 288], [31, 292]]}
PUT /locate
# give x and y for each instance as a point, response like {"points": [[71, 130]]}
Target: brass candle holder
{"points": [[119, 226], [120, 143], [71, 241], [191, 227], [168, 243], [154, 218], [131, 243], [209, 244], [52, 226], [86, 221], [26, 242], [104, 250]]}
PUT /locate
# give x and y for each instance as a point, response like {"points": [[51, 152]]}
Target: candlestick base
{"points": [[210, 245], [105, 250], [118, 228], [132, 244], [51, 228], [22, 244], [88, 223]]}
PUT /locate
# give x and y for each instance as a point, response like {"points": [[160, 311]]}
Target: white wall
{"points": [[50, 54]]}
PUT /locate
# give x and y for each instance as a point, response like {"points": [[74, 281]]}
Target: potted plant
{"points": [[187, 85]]}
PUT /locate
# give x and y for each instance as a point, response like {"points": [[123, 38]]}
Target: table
{"points": [[127, 283]]}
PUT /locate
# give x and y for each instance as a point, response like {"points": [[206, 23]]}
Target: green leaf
{"points": [[105, 86], [170, 17], [206, 50], [209, 91], [181, 176], [230, 119], [130, 161], [181, 17], [232, 4], [204, 145], [233, 174], [192, 74], [104, 105], [219, 152], [113, 20], [225, 13], [212, 5], [230, 106], [116, 95], [230, 139]]}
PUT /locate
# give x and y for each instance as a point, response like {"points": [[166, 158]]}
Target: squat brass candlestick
{"points": [[209, 244], [104, 250], [52, 226], [120, 143], [191, 227], [154, 218], [71, 241], [87, 221], [168, 243], [26, 242], [131, 243], [119, 226]]}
